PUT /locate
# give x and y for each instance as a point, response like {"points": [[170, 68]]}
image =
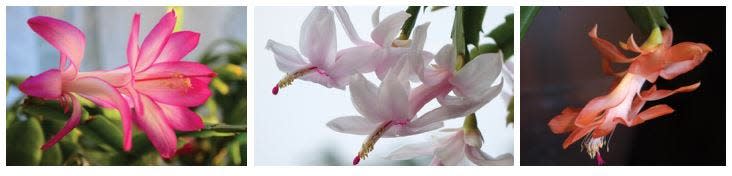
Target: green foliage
{"points": [[648, 17], [527, 17], [24, 140], [503, 36], [409, 24]]}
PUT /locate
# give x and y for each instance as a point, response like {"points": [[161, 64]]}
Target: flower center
{"points": [[593, 146], [289, 78]]}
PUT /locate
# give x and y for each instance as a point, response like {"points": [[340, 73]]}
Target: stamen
{"points": [[594, 145], [368, 145], [289, 78]]}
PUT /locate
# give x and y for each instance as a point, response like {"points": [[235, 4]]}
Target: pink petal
{"points": [[153, 44], [178, 46], [176, 83], [363, 59], [446, 58], [362, 96], [352, 125], [318, 37], [96, 89], [133, 48], [287, 58], [181, 118], [151, 120], [393, 96], [345, 20], [480, 158], [66, 38], [411, 151], [385, 32], [70, 124], [451, 152], [47, 85], [464, 107], [118, 77], [478, 75]]}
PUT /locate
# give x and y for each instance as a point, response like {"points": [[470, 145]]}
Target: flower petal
{"points": [[94, 89], [151, 120], [419, 37], [178, 46], [181, 118], [361, 58], [651, 113], [153, 44], [463, 107], [133, 46], [564, 122], [287, 58], [452, 152], [446, 58], [393, 96], [375, 17], [478, 75], [118, 77], [683, 58], [318, 37], [363, 94], [480, 158], [66, 38], [176, 83], [352, 125], [576, 135], [47, 85], [385, 32], [654, 94], [68, 126], [345, 20], [411, 151], [607, 49]]}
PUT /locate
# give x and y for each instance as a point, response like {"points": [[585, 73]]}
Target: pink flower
{"points": [[160, 85], [624, 103], [452, 150], [66, 83], [163, 86], [390, 109], [332, 68]]}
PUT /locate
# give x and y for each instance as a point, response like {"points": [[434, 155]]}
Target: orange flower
{"points": [[656, 57]]}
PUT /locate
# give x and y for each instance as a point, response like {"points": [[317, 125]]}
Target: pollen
{"points": [[368, 145], [289, 78], [593, 146], [178, 81]]}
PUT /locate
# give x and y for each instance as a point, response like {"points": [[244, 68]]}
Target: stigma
{"points": [[368, 145]]}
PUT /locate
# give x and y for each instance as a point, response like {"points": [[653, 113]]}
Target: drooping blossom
{"points": [[160, 85], [385, 49], [657, 57], [393, 112], [65, 83], [331, 67], [453, 149]]}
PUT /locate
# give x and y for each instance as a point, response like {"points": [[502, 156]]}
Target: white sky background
{"points": [[289, 128]]}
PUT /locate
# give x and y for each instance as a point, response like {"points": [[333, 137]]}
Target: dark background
{"points": [[560, 68]]}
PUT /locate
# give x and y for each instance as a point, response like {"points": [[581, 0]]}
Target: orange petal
{"points": [[668, 37], [564, 122], [576, 135], [651, 113], [607, 49], [609, 69], [654, 94], [683, 57], [631, 45]]}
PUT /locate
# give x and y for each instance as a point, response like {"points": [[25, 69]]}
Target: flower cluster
{"points": [[153, 91], [656, 57], [390, 109]]}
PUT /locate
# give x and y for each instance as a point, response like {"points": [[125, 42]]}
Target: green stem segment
{"points": [[226, 128], [413, 11]]}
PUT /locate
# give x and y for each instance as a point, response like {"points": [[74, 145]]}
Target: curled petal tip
{"points": [[356, 160], [275, 90]]}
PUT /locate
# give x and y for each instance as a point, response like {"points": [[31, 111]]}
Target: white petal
{"points": [[363, 96], [352, 125], [375, 17], [507, 73], [393, 95], [419, 36], [445, 58], [318, 37], [480, 158], [451, 153], [411, 151], [345, 20], [478, 74], [453, 107], [361, 58], [385, 32], [287, 58]]}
